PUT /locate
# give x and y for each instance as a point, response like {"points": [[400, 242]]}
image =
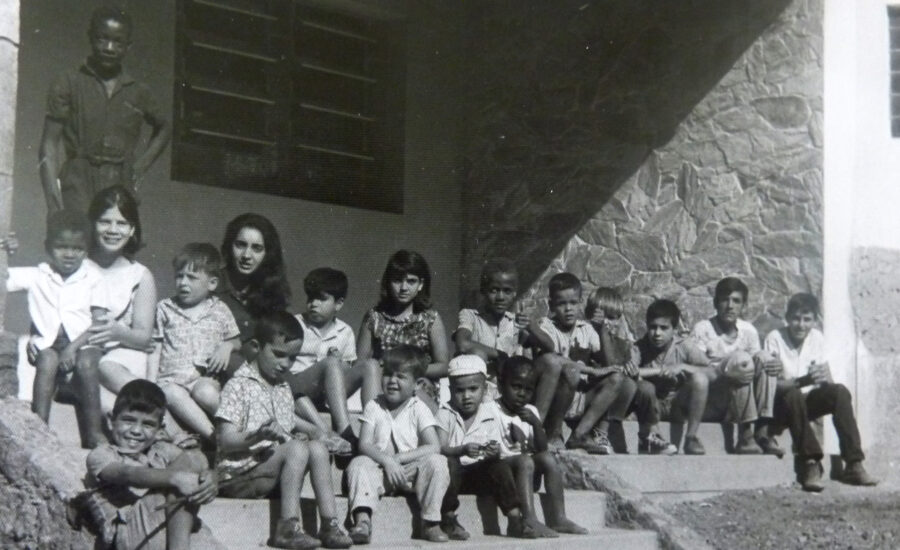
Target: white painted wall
{"points": [[862, 164]]}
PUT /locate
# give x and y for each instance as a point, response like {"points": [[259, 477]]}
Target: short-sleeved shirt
{"points": [[389, 332], [54, 302], [517, 435], [718, 346], [796, 361], [400, 433], [680, 351], [101, 128], [248, 401], [245, 321], [504, 336], [582, 337], [317, 342], [190, 337], [485, 427], [116, 498]]}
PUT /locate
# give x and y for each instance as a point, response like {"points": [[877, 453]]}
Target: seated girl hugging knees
{"points": [[66, 295], [605, 409], [568, 359], [400, 450], [493, 331], [470, 430], [523, 446], [326, 370], [404, 316], [197, 334], [258, 457], [144, 492]]}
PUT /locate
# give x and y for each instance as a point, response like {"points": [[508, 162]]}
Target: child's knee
{"points": [[435, 463], [190, 461], [699, 382], [205, 393], [571, 373], [551, 363], [317, 450], [86, 364], [544, 460]]}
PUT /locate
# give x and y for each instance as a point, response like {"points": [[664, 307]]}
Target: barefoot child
{"points": [[806, 392], [400, 450], [524, 447], [324, 370], [470, 431], [66, 295], [196, 333], [146, 493], [258, 457]]}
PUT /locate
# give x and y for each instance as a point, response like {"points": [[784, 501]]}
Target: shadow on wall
{"points": [[566, 101]]}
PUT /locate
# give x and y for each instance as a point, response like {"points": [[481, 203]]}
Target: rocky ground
{"points": [[786, 518]]}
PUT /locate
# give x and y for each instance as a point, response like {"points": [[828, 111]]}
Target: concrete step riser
{"points": [[251, 521]]}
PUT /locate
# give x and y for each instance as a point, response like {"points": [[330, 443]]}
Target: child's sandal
{"points": [[361, 532]]}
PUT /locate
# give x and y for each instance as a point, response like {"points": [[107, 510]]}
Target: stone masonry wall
{"points": [[736, 189]]}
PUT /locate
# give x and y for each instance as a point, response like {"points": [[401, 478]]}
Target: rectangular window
{"points": [[290, 97], [894, 28]]}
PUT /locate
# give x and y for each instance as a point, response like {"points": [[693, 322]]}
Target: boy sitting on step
{"points": [[674, 373], [143, 492], [470, 431], [524, 446], [400, 450], [258, 456]]}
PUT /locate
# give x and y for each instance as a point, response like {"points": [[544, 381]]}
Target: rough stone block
{"points": [[783, 112], [609, 268], [644, 251], [789, 244], [9, 357]]}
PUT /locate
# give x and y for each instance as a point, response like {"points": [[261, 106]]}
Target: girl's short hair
{"points": [[803, 302], [493, 267], [140, 395], [608, 300], [268, 288], [400, 264], [202, 256], [517, 365], [726, 286], [119, 197], [405, 358]]}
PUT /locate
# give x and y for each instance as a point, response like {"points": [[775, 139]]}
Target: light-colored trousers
{"points": [[428, 476]]}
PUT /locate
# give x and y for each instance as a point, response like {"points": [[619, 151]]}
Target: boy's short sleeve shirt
{"points": [[485, 427], [248, 402], [503, 337], [54, 301], [318, 342], [115, 498], [98, 127], [189, 338], [717, 346], [517, 436], [400, 433], [796, 361], [582, 336]]}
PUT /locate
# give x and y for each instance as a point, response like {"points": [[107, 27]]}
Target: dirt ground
{"points": [[786, 518]]}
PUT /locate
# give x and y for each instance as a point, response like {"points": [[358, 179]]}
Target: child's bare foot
{"points": [[568, 526], [542, 530], [520, 528]]}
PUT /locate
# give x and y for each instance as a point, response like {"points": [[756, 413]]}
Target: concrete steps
{"points": [[243, 524]]}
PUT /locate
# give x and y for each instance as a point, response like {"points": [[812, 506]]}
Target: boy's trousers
{"points": [[428, 477], [485, 477]]}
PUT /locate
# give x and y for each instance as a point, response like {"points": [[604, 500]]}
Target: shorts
{"points": [[143, 525], [250, 484], [134, 361]]}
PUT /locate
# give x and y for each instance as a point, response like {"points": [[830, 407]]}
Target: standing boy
{"points": [[94, 119], [743, 388], [675, 373], [400, 450], [806, 392], [470, 431], [146, 493], [324, 370], [65, 295], [258, 457]]}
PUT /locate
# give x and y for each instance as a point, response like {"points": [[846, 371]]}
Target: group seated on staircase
{"points": [[244, 383]]}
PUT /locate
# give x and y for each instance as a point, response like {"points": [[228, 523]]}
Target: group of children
{"points": [[513, 384]]}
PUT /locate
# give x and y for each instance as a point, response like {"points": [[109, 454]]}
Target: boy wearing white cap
{"points": [[470, 432]]}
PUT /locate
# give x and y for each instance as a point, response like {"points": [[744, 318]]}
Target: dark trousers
{"points": [[485, 477], [645, 406], [794, 410]]}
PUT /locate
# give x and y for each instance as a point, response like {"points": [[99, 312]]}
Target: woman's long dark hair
{"points": [[401, 263], [267, 288], [119, 197]]}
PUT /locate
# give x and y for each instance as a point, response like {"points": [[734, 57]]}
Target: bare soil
{"points": [[787, 518]]}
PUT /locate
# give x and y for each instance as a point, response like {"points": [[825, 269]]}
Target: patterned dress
{"points": [[389, 332]]}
